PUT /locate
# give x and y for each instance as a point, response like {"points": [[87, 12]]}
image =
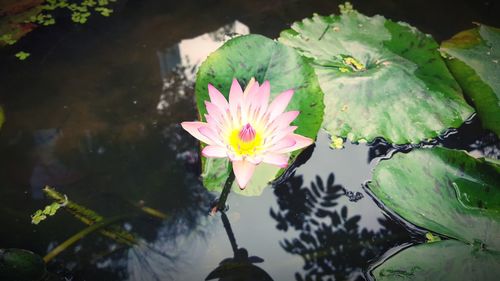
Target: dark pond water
{"points": [[95, 113]]}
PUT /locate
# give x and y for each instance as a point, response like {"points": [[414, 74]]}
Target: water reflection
{"points": [[183, 59], [161, 147], [240, 267], [474, 139], [330, 241], [48, 169], [190, 53], [159, 247], [158, 260], [110, 148]]}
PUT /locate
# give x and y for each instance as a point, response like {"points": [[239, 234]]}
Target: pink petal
{"points": [[262, 98], [217, 98], [215, 112], [214, 151], [284, 120], [250, 85], [243, 170], [211, 135], [233, 157], [251, 91], [235, 96], [285, 143], [300, 142], [254, 159], [278, 135], [250, 94], [216, 125], [193, 129], [279, 104], [280, 160]]}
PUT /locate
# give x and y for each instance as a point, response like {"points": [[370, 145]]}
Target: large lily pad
{"points": [[446, 191], [256, 56], [380, 78], [473, 57], [445, 260]]}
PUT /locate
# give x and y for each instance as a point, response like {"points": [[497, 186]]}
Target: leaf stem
{"points": [[75, 238], [90, 217]]}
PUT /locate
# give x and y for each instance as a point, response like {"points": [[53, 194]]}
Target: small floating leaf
{"points": [[431, 238], [473, 57], [448, 260], [22, 55], [346, 8], [49, 210], [37, 217], [445, 191], [89, 3], [104, 11], [256, 56], [337, 143], [7, 38], [389, 75]]}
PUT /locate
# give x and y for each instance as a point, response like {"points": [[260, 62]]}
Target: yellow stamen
{"points": [[245, 147]]}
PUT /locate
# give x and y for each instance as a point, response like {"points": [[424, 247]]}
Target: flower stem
{"points": [[221, 204]]}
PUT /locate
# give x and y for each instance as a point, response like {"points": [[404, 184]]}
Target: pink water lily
{"points": [[247, 129]]}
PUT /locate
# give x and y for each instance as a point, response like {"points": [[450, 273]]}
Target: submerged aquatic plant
{"points": [[247, 129]]}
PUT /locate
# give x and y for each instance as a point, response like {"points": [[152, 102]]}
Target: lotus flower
{"points": [[247, 129]]}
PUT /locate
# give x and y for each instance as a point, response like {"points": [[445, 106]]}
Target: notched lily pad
{"points": [[473, 57], [380, 78], [445, 260], [256, 56], [446, 191]]}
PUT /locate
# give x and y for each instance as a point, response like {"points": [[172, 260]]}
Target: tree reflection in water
{"points": [[331, 242], [240, 267]]}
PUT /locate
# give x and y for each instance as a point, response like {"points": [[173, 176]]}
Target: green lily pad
{"points": [[21, 265], [473, 57], [256, 56], [380, 78], [445, 260], [446, 191]]}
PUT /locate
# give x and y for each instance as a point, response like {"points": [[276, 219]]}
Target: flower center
{"points": [[245, 141], [247, 133]]}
